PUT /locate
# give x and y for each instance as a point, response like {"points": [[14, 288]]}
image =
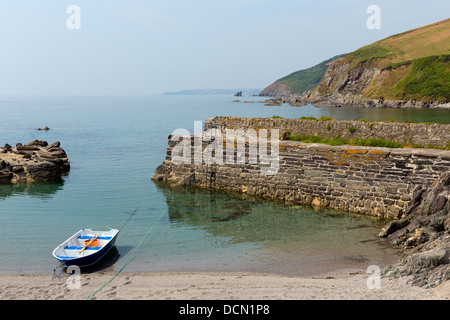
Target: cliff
{"points": [[410, 69], [299, 82], [36, 161]]}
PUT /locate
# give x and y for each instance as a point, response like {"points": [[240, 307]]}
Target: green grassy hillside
{"points": [[300, 81], [419, 79], [307, 79], [413, 65]]}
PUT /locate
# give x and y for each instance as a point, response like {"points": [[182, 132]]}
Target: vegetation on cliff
{"points": [[413, 65], [300, 81], [426, 79], [410, 66]]}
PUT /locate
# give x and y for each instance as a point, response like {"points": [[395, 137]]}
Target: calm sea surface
{"points": [[114, 145]]}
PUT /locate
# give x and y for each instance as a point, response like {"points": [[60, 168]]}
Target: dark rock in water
{"points": [[160, 173], [35, 161], [43, 171], [423, 236], [392, 227]]}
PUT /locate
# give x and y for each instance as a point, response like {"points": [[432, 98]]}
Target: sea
{"points": [[115, 143]]}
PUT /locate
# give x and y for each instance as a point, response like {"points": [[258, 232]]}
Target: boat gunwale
{"points": [[99, 252]]}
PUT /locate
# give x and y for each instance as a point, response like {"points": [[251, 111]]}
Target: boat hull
{"points": [[89, 259]]}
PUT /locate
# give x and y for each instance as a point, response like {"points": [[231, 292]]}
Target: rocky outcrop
{"points": [[295, 101], [36, 161], [336, 100], [424, 235]]}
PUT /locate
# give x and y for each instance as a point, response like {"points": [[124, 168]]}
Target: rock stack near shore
{"points": [[36, 161]]}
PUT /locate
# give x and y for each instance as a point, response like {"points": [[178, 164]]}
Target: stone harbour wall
{"points": [[410, 186], [367, 180]]}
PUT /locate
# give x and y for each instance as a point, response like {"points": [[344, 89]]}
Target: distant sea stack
{"points": [[407, 70], [36, 161]]}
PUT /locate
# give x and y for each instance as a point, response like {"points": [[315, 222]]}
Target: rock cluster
{"points": [[293, 100], [424, 235], [352, 101], [36, 161], [334, 100]]}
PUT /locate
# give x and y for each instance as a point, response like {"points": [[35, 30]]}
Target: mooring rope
{"points": [[129, 258], [129, 218]]}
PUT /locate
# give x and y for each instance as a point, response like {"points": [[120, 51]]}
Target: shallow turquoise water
{"points": [[115, 144]]}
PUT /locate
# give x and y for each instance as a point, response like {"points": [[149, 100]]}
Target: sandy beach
{"points": [[340, 285]]}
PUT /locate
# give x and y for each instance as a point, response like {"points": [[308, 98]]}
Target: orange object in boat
{"points": [[94, 243]]}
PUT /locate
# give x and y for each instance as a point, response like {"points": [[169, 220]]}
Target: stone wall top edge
{"points": [[331, 120]]}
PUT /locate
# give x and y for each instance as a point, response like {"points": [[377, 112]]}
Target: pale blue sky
{"points": [[151, 47]]}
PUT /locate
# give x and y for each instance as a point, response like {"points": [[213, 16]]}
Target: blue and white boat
{"points": [[86, 247]]}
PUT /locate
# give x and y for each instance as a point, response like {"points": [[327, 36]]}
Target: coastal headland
{"points": [[405, 70]]}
